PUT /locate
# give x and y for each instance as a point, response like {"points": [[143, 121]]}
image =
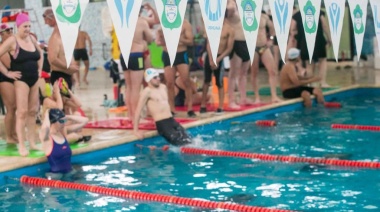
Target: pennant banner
{"points": [[375, 4], [250, 14], [68, 15], [282, 11], [124, 15], [213, 16], [171, 13], [335, 12], [310, 11], [358, 10]]}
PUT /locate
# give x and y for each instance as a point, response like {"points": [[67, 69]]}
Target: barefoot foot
{"points": [[23, 151], [233, 106], [276, 99]]}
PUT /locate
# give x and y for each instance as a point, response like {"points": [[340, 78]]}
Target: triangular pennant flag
{"points": [[250, 14], [310, 17], [358, 10], [213, 16], [124, 15], [335, 12], [68, 16], [282, 11], [375, 4], [171, 13]]}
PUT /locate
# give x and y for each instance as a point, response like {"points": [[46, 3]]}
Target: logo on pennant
{"points": [[358, 20], [282, 10], [334, 12], [170, 16], [249, 17], [213, 16], [69, 11], [310, 25], [128, 9]]}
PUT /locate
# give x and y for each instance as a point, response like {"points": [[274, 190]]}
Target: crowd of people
{"points": [[22, 62]]}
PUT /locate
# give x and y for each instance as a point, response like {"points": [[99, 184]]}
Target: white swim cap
{"points": [[150, 73], [293, 53]]}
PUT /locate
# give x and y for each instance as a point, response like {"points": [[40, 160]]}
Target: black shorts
{"points": [[80, 54], [319, 51], [3, 78], [173, 132], [241, 50], [135, 62], [180, 58], [55, 75], [292, 93], [218, 73]]}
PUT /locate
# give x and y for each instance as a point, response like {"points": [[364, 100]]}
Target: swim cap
{"points": [[21, 18], [150, 73], [55, 114], [4, 27], [63, 87], [293, 53]]}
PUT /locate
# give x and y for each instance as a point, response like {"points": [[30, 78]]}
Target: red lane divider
{"points": [[289, 159], [355, 127], [265, 123], [142, 195], [333, 105]]}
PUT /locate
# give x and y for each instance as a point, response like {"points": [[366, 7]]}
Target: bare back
{"points": [[56, 52], [142, 36], [157, 103], [81, 40]]}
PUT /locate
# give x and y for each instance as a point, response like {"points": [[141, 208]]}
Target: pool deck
{"points": [[100, 83]]}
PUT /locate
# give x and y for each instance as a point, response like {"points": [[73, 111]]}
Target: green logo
{"points": [[310, 24], [170, 16], [358, 22], [69, 11], [249, 18]]}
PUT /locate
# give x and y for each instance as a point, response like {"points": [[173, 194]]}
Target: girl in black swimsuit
{"points": [[27, 58]]}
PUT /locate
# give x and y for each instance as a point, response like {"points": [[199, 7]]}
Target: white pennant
{"points": [[358, 10], [213, 16], [282, 11], [171, 13], [375, 4], [250, 15], [310, 10], [68, 16], [124, 15], [335, 12]]}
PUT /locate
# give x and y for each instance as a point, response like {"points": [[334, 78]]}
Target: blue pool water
{"points": [[304, 187]]}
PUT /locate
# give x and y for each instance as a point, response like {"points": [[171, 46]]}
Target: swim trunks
{"points": [[80, 54], [173, 132], [135, 62], [180, 58], [296, 92], [241, 50]]}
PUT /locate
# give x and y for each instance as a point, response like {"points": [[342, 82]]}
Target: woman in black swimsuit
{"points": [[26, 57]]}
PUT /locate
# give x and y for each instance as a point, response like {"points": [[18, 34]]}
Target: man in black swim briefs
{"points": [[155, 97], [294, 86]]}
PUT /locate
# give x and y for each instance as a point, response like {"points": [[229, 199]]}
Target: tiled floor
{"points": [[100, 84]]}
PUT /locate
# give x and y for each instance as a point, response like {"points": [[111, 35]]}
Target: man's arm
{"points": [[292, 74], [53, 53], [160, 40], [187, 38], [88, 39], [136, 120], [148, 36]]}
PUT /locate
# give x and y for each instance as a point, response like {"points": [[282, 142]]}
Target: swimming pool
{"points": [[300, 132]]}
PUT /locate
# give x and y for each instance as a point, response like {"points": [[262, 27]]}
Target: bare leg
{"points": [[31, 119], [204, 94], [255, 71], [7, 92], [276, 58], [183, 70], [128, 84], [243, 83], [86, 68], [319, 95], [147, 62], [323, 72], [232, 77], [22, 90], [306, 99], [136, 83], [170, 80], [76, 76], [268, 61]]}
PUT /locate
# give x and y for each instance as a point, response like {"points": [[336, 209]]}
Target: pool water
{"points": [[305, 187]]}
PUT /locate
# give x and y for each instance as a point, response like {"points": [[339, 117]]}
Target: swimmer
{"points": [[294, 86], [155, 97], [53, 135]]}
